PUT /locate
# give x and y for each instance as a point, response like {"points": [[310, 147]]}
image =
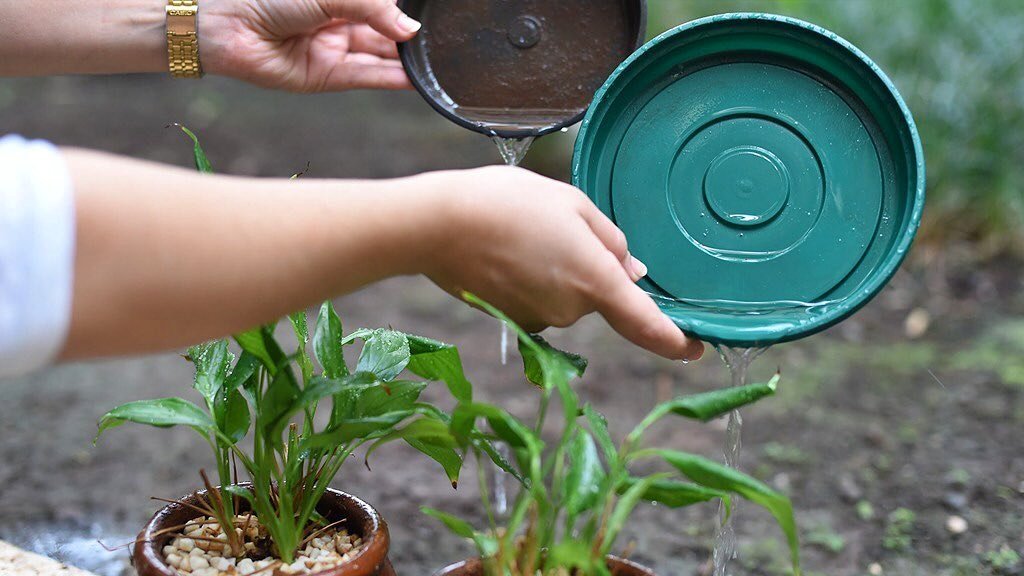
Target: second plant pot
{"points": [[359, 518], [618, 567]]}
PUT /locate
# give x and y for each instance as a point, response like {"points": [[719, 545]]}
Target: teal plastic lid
{"points": [[766, 171]]}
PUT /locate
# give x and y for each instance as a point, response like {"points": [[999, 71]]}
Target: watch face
{"points": [[181, 20]]}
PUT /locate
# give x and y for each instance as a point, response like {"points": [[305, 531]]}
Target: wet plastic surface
{"points": [[766, 171], [518, 68]]}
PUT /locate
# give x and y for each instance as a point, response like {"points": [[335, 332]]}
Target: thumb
{"points": [[382, 15]]}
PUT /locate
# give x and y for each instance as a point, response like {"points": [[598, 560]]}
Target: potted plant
{"points": [[288, 427], [578, 493]]}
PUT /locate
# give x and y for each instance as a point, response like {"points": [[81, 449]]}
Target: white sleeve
{"points": [[37, 237]]}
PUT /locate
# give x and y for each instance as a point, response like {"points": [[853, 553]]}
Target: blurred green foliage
{"points": [[960, 66]]}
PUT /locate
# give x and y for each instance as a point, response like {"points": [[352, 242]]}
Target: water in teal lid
{"points": [[766, 171]]}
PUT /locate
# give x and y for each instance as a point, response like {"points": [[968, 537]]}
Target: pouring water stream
{"points": [[512, 151], [738, 361]]}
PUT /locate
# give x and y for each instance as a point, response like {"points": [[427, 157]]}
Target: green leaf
{"points": [[583, 483], [163, 413], [319, 388], [505, 426], [435, 360], [385, 353], [202, 163], [573, 555], [375, 399], [533, 366], [240, 491], [233, 416], [212, 361], [711, 405], [484, 445], [716, 476], [706, 406], [244, 376], [356, 428], [422, 429], [676, 494], [457, 526], [447, 456], [624, 508], [599, 428], [278, 404], [260, 343], [327, 342], [301, 329]]}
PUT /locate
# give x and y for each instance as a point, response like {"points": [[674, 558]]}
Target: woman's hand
{"points": [[541, 252], [306, 45]]}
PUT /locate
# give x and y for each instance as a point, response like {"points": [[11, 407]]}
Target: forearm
{"points": [[41, 37], [167, 257]]}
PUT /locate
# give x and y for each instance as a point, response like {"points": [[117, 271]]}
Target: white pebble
{"points": [[245, 566], [185, 564], [200, 562], [186, 544], [956, 525], [875, 569], [174, 559]]}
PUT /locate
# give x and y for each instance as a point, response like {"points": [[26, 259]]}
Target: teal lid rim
{"points": [[880, 277]]}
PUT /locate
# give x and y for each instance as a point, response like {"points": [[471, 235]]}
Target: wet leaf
{"points": [[348, 430], [327, 345], [435, 360], [212, 361], [584, 480], [599, 428], [573, 364], [301, 330], [233, 417], [385, 353], [163, 413]]}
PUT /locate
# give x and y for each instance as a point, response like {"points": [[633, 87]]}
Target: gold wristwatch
{"points": [[183, 38]]}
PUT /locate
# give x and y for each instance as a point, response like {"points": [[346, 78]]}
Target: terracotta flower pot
{"points": [[360, 519], [618, 566]]}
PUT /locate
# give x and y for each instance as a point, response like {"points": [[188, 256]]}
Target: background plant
{"points": [[278, 395], [578, 494]]}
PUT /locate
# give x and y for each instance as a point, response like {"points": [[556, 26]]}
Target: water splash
{"points": [[738, 361]]}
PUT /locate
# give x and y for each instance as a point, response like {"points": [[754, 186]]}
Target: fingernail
{"points": [[639, 267], [408, 24]]}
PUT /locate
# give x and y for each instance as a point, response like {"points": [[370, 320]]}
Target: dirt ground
{"points": [[884, 428]]}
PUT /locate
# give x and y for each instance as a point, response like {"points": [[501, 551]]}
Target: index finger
{"points": [[634, 315], [384, 16]]}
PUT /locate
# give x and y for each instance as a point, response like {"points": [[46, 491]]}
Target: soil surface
{"points": [[884, 428]]}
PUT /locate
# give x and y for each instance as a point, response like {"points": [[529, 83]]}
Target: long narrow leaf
{"points": [[624, 508], [706, 406], [719, 477]]}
